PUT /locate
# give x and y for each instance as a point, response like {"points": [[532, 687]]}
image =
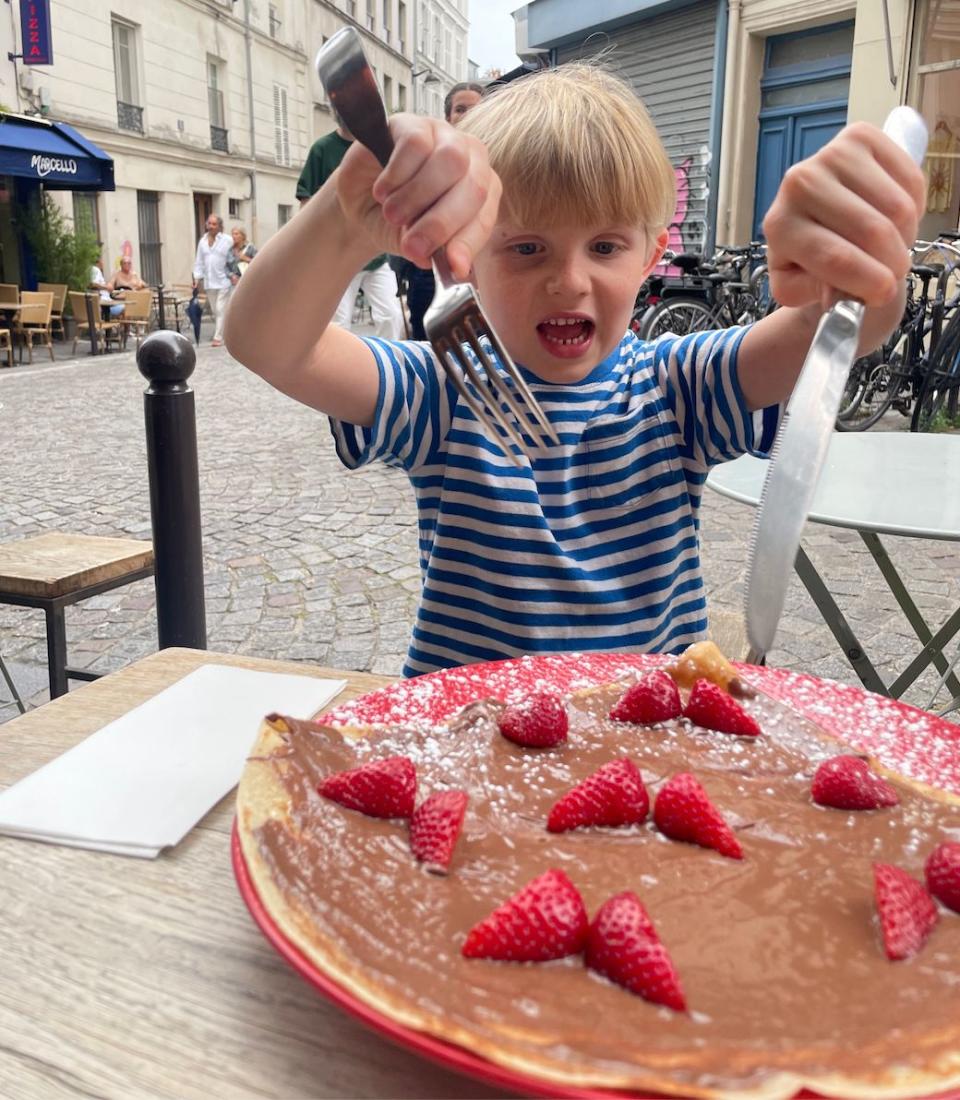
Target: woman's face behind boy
{"points": [[561, 298]]}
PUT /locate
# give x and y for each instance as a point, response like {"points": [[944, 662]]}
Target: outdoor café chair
{"points": [[136, 315], [59, 292], [10, 294], [105, 330], [33, 322], [6, 344]]}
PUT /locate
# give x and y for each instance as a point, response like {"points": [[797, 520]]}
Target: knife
{"points": [[800, 448]]}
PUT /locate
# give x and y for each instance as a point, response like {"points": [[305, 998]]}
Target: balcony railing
{"points": [[218, 139], [129, 116]]}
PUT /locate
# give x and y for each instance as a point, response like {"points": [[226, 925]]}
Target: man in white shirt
{"points": [[213, 251], [98, 282]]}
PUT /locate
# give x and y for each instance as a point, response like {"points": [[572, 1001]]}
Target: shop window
{"points": [[937, 34], [86, 217], [284, 214]]}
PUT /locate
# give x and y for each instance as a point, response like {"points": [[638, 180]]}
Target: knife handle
{"points": [[909, 131]]}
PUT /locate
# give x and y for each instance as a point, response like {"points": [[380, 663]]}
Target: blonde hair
{"points": [[574, 144], [239, 229]]}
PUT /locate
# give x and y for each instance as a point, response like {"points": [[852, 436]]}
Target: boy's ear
{"points": [[659, 244]]}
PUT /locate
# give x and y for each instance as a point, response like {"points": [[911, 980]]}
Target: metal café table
{"points": [[131, 977], [880, 483]]}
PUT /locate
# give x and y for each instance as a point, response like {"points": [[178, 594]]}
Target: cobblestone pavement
{"points": [[306, 561]]}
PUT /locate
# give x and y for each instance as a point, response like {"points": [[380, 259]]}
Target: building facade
{"points": [[210, 106], [742, 89]]}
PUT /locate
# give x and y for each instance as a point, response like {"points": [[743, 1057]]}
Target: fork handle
{"points": [[358, 103]]}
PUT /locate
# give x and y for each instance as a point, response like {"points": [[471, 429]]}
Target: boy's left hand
{"points": [[843, 221]]}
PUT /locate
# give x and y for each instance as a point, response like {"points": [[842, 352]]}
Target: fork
{"points": [[455, 318]]}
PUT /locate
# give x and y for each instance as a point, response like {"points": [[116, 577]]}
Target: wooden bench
{"points": [[57, 569]]}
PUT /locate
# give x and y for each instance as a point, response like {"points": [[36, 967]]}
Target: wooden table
{"points": [[57, 569], [147, 978]]}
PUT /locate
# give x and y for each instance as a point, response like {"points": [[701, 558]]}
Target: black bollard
{"points": [[166, 360]]}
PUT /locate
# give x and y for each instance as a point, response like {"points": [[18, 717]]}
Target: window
{"points": [[402, 26], [387, 21], [388, 92], [459, 71], [284, 214], [281, 127], [447, 49], [129, 111], [274, 17], [350, 7], [938, 79], [86, 218], [148, 223], [371, 17], [218, 121], [401, 97], [234, 207]]}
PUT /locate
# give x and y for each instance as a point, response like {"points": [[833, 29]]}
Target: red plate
{"points": [[900, 736]]}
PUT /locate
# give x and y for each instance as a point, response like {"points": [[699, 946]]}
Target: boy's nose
{"points": [[568, 278]]}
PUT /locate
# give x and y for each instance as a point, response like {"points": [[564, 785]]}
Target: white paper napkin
{"points": [[142, 782]]}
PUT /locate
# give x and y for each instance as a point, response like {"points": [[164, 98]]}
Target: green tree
{"points": [[61, 254]]}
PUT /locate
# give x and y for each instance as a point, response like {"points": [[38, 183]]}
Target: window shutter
{"points": [[281, 130]]}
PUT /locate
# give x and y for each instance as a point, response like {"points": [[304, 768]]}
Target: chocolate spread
{"points": [[779, 954]]}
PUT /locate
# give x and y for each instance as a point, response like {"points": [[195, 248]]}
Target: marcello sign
{"points": [[36, 32]]}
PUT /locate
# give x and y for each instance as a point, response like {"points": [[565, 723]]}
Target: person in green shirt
{"points": [[376, 280]]}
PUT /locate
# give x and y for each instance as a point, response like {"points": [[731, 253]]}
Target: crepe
{"points": [[780, 956]]}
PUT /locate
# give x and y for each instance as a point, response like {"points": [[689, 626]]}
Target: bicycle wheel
{"points": [[760, 288], [882, 381], [941, 383], [676, 315], [853, 393]]}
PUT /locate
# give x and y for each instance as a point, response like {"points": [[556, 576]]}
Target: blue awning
{"points": [[54, 154]]}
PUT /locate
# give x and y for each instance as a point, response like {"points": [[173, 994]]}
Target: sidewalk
{"points": [[306, 561]]}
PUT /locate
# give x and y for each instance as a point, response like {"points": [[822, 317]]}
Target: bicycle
{"points": [[893, 375], [726, 294]]}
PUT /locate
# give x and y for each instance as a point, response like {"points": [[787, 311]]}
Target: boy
{"points": [[594, 546]]}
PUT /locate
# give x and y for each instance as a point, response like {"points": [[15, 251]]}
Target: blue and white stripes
{"points": [[594, 547]]}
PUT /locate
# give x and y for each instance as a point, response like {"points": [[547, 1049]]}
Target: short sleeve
{"points": [[412, 418], [698, 375]]}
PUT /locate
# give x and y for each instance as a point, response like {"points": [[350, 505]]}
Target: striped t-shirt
{"points": [[595, 546]]}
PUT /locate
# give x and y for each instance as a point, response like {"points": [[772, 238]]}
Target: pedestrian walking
{"points": [[210, 268], [376, 279]]}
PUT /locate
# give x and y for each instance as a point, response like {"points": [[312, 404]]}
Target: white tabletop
{"points": [[895, 483]]}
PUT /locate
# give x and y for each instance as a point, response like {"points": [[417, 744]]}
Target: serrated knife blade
{"points": [[800, 448]]}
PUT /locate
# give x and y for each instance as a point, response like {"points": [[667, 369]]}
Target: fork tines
{"points": [[493, 391]]}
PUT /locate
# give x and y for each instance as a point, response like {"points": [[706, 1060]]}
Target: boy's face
{"points": [[561, 298]]}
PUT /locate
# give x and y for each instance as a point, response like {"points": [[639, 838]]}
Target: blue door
{"points": [[804, 88], [785, 139]]}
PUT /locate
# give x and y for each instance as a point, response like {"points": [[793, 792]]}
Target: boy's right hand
{"points": [[437, 191]]}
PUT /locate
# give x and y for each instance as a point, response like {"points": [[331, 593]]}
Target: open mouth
{"points": [[566, 335]]}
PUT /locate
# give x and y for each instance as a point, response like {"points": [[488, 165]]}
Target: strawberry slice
{"points": [[612, 795], [435, 827], [653, 698], [847, 783], [545, 920], [712, 707], [380, 788], [942, 871], [683, 811], [907, 912], [537, 723], [623, 945]]}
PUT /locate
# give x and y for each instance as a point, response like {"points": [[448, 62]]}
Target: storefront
{"points": [[35, 156], [937, 71]]}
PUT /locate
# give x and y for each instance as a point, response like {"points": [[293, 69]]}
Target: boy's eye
{"points": [[606, 248], [526, 248]]}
